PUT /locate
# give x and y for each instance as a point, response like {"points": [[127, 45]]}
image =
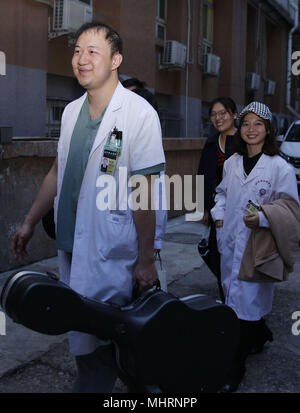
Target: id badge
{"points": [[112, 151], [109, 161], [252, 207]]}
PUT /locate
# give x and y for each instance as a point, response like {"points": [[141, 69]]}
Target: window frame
{"points": [[87, 2], [205, 44], [208, 37], [160, 22], [53, 104], [158, 18]]}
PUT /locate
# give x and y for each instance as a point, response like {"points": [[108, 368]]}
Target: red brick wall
{"points": [[23, 33]]}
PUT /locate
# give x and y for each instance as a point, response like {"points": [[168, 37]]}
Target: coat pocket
{"points": [[120, 237]]}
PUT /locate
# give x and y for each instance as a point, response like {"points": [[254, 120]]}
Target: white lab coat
{"points": [[105, 244], [161, 212], [272, 178]]}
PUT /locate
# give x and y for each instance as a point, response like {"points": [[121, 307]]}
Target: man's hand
{"points": [[251, 221], [40, 206], [145, 275], [20, 241]]}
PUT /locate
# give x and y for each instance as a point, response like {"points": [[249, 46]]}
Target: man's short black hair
{"points": [[111, 35]]}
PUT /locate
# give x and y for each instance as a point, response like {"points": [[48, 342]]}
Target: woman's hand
{"points": [[251, 221]]}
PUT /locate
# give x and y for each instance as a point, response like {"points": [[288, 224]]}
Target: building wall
{"points": [[277, 63], [23, 166], [38, 68], [229, 44], [24, 33], [137, 29], [23, 89], [23, 100]]}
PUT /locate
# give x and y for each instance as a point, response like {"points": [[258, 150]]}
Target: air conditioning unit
{"points": [[69, 15], [174, 54], [270, 87], [212, 64], [252, 81]]}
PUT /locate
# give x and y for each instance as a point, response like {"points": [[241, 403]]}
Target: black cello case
{"points": [[162, 342]]}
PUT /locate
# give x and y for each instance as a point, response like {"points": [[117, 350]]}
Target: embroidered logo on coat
{"points": [[262, 188], [262, 192]]}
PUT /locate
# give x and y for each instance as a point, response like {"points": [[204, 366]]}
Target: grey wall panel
{"points": [[173, 116], [63, 87], [23, 100]]}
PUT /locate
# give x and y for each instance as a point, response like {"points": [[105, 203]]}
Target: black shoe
{"points": [[234, 379], [262, 335], [256, 349]]}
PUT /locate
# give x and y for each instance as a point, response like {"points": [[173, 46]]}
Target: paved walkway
{"points": [[35, 363]]}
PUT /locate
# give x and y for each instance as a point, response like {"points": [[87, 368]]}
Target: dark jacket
{"points": [[208, 166]]}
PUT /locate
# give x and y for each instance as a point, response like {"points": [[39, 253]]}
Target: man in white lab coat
{"points": [[102, 252]]}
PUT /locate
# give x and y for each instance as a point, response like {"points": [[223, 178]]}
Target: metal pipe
{"points": [[258, 40], [187, 65]]}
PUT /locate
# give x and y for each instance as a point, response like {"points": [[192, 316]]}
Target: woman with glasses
{"points": [[223, 113]]}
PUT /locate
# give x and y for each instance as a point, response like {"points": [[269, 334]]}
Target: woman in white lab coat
{"points": [[254, 172]]}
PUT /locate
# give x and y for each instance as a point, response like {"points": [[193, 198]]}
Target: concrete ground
{"points": [[35, 363]]}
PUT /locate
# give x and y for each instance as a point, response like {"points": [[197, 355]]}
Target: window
{"points": [[294, 134], [161, 19], [162, 10], [207, 27], [207, 21], [55, 108], [89, 2]]}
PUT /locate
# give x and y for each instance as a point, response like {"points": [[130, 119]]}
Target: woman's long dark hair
{"points": [[270, 146]]}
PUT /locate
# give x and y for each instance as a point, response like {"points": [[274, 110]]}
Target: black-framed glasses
{"points": [[219, 114]]}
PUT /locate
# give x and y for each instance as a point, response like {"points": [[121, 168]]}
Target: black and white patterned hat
{"points": [[260, 109]]}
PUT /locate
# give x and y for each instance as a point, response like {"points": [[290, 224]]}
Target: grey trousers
{"points": [[97, 372]]}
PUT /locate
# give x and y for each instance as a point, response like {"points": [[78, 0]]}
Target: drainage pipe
{"points": [[187, 64]]}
